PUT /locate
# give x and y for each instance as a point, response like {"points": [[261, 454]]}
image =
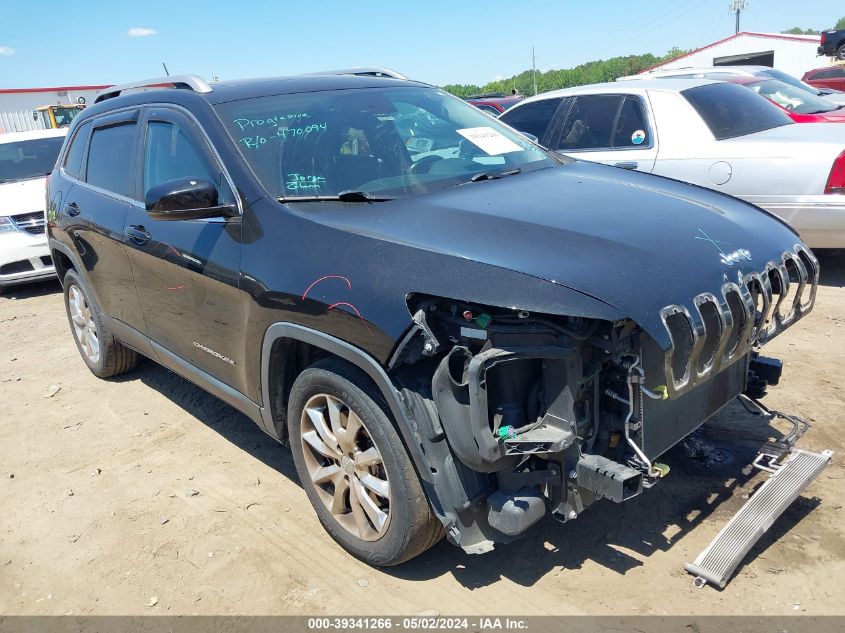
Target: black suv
{"points": [[456, 331]]}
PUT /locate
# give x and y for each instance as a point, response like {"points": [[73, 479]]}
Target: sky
{"points": [[93, 42]]}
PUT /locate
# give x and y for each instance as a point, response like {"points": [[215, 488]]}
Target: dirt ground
{"points": [[98, 513]]}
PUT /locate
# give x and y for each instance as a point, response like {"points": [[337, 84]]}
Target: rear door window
{"points": [[596, 122], [589, 122], [110, 164], [533, 118], [76, 152]]}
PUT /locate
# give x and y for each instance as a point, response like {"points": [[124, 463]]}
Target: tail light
{"points": [[836, 180], [823, 38]]}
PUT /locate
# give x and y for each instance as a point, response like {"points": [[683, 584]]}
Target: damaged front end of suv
{"points": [[522, 414]]}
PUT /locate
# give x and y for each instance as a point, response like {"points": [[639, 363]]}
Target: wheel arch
{"points": [[65, 259], [287, 344]]}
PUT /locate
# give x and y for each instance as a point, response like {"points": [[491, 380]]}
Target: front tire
{"points": [[354, 468], [104, 354]]}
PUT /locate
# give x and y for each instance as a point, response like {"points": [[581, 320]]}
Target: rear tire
{"points": [[840, 53], [101, 351], [354, 468]]}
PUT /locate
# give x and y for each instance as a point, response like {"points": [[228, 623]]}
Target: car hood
{"points": [[634, 241], [24, 196], [834, 116]]}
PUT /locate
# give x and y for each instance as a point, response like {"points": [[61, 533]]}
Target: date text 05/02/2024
{"points": [[424, 623]]}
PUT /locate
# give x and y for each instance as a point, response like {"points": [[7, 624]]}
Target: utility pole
{"points": [[738, 6], [534, 66]]}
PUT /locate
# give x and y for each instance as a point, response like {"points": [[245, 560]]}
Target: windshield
{"points": [[28, 159], [730, 110], [791, 98], [65, 115], [395, 141], [788, 79]]}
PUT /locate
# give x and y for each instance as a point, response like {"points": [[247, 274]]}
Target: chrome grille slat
{"points": [[30, 222], [812, 266], [803, 276], [765, 295], [740, 311], [700, 301], [792, 315], [765, 323]]}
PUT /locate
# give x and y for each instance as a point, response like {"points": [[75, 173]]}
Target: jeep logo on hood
{"points": [[738, 255], [729, 259]]}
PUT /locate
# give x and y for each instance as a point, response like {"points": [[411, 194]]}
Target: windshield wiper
{"points": [[343, 196], [494, 175], [351, 195], [490, 175]]}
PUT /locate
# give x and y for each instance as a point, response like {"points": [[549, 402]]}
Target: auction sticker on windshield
{"points": [[489, 140]]}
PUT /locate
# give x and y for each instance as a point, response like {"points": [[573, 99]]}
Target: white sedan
{"points": [[25, 160], [717, 135]]}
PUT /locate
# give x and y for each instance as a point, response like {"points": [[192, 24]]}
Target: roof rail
{"points": [[363, 72], [185, 82]]}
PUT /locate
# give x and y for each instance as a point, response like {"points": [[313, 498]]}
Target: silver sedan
{"points": [[717, 135]]}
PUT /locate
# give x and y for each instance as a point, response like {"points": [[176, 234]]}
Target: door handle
{"points": [[137, 234], [626, 165], [72, 210]]}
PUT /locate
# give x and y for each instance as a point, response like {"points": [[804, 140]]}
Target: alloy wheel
{"points": [[84, 327], [345, 467]]}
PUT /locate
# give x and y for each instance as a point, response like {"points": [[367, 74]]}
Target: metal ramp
{"points": [[717, 563]]}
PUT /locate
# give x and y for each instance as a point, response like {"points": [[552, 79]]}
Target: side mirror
{"points": [[185, 199]]}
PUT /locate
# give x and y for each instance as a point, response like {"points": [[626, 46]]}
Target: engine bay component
{"points": [[462, 387], [513, 514], [608, 479]]}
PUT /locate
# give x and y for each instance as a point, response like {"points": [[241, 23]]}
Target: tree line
{"points": [[590, 73], [797, 30]]}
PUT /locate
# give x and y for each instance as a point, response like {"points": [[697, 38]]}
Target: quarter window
{"points": [[631, 128], [110, 159], [76, 152]]}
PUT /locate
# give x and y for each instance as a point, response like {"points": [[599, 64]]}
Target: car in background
{"points": [[724, 72], [495, 103], [714, 134], [833, 44], [26, 158], [832, 77], [800, 105]]}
